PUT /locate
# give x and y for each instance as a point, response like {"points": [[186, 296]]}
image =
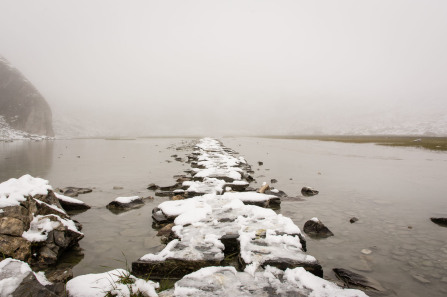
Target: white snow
{"points": [[249, 196], [97, 285], [226, 281], [315, 219], [14, 190], [126, 200], [12, 273], [7, 133], [42, 225], [68, 199], [51, 206]]}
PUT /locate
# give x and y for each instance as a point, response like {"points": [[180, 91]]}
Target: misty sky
{"points": [[216, 67]]}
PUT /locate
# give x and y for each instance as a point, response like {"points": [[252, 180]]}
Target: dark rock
{"points": [[440, 221], [74, 191], [21, 104], [353, 220], [160, 218], [30, 286], [316, 228], [71, 206], [354, 280], [117, 188], [260, 163], [273, 181], [307, 191], [170, 188], [118, 207], [170, 268], [152, 187], [284, 263], [231, 243]]}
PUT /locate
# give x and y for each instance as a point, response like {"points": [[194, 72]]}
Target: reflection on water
{"points": [[393, 191], [21, 157]]}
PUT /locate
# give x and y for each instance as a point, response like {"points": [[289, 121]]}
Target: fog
{"points": [[233, 67]]}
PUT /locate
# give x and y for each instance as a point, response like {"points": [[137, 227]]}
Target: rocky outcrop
{"points": [[21, 105], [34, 227]]}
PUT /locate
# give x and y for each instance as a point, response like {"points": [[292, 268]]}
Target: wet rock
{"points": [[260, 163], [440, 221], [315, 228], [170, 268], [353, 220], [166, 230], [355, 280], [152, 187], [74, 191], [420, 278], [308, 191], [273, 181], [125, 203], [71, 204], [170, 188]]}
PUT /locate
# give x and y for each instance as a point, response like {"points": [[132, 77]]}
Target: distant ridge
{"points": [[22, 107]]}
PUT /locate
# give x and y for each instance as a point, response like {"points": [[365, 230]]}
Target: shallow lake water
{"points": [[392, 190]]}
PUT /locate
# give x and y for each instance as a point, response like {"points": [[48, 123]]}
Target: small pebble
{"points": [[366, 251]]}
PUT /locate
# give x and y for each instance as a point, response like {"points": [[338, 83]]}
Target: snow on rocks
{"points": [[17, 279], [226, 281], [118, 282], [34, 227], [207, 227], [69, 203]]}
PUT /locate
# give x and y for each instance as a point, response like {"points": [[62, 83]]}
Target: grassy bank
{"points": [[431, 143]]}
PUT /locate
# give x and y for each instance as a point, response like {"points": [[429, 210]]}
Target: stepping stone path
{"points": [[222, 224]]}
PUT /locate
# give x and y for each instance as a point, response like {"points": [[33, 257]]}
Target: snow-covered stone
{"points": [[99, 284], [226, 281]]}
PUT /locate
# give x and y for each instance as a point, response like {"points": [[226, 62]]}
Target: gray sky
{"points": [[151, 67]]}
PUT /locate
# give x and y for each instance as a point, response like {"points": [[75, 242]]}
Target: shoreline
{"points": [[434, 143]]}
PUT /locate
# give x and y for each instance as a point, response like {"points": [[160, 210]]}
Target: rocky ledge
{"points": [[34, 226]]}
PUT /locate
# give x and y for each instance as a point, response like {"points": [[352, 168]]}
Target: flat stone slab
{"points": [[209, 226], [226, 281]]}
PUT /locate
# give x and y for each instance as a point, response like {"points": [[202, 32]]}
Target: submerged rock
{"points": [[355, 280], [308, 191], [440, 221], [314, 227], [73, 191], [353, 220]]}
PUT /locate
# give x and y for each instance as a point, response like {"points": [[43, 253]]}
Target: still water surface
{"points": [[392, 190]]}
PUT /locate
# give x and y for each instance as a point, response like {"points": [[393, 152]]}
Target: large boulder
{"points": [[21, 105]]}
